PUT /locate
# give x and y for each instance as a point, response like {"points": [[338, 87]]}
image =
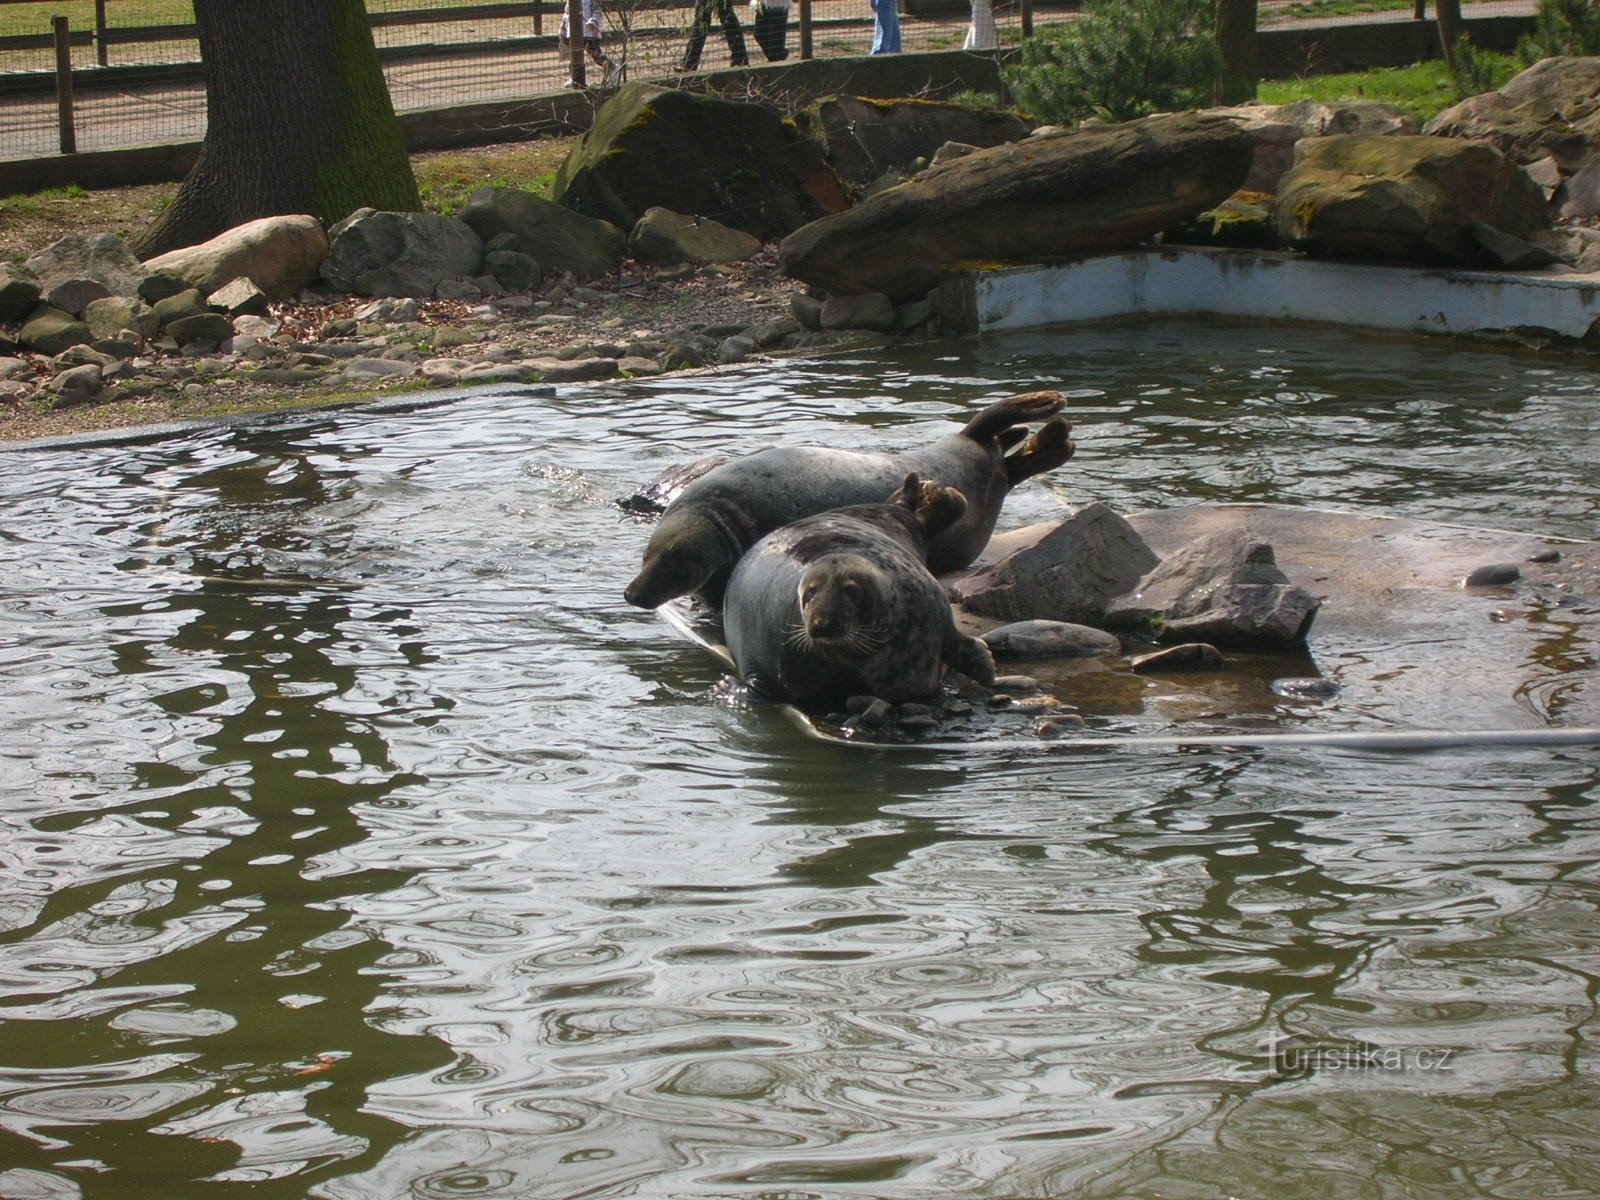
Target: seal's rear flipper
{"points": [[936, 508], [969, 656], [1015, 410], [1044, 451]]}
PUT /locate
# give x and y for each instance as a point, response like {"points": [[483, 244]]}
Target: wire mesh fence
{"points": [[134, 69]]}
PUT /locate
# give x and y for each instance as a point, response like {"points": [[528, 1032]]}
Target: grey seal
{"points": [[842, 604], [726, 510]]}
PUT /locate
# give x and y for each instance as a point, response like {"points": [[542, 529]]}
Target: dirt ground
{"points": [[743, 293]]}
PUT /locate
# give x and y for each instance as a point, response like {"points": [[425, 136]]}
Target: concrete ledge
{"points": [[1173, 280]]}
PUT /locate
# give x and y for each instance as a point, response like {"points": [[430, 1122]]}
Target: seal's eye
{"points": [[808, 593], [851, 590]]}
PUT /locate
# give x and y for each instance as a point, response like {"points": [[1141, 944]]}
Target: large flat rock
{"points": [[1407, 644]]}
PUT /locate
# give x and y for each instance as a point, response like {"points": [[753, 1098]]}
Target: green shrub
{"points": [[1122, 59], [1477, 71], [1561, 27]]}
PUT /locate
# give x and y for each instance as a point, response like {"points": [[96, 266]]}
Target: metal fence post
{"points": [[805, 29], [63, 35]]}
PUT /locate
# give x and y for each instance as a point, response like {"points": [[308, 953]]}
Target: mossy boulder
{"points": [[1405, 199], [1095, 190], [1552, 108], [51, 331], [733, 161], [555, 237], [866, 138], [666, 237]]}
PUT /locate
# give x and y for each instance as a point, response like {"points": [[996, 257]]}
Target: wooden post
{"points": [[1419, 10], [1448, 14], [100, 32], [1027, 18], [63, 34], [575, 42], [805, 29], [538, 17]]}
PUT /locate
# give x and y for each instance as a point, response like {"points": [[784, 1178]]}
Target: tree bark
{"points": [[1236, 42], [299, 121], [1448, 13]]}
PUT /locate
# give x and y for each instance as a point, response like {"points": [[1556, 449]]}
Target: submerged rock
{"points": [[1050, 639]]}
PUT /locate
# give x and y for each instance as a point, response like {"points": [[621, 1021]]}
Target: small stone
{"points": [[75, 295], [1551, 555], [633, 366], [1015, 683], [50, 331], [735, 350], [1058, 725], [807, 310], [378, 368], [1190, 656], [912, 709], [443, 372], [493, 372], [874, 713], [502, 241], [390, 310], [458, 289], [512, 270], [201, 327], [1050, 639], [917, 724], [1493, 575], [239, 297], [159, 285], [287, 375], [76, 385]]}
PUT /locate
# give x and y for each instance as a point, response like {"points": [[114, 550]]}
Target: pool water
{"points": [[357, 841]]}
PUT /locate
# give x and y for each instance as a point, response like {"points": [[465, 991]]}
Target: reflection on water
{"points": [[359, 842]]}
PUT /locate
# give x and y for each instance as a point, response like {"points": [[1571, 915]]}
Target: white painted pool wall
{"points": [[1160, 281]]}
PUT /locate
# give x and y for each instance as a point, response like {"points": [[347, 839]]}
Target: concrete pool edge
{"points": [[1273, 285]]}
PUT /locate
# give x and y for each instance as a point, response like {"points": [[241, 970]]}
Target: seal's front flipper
{"points": [[1014, 410], [1044, 451], [969, 656]]}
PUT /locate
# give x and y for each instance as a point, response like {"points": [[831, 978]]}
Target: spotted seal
{"points": [[726, 510], [842, 604]]}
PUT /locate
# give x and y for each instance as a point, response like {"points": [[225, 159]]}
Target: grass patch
{"points": [[34, 203], [1422, 89], [447, 178]]}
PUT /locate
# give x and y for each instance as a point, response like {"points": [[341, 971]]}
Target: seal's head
{"points": [[843, 599], [683, 555]]}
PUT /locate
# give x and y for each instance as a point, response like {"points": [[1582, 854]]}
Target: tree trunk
{"points": [[1448, 13], [1236, 42], [299, 121]]}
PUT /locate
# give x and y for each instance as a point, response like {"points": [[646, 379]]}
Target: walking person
{"points": [[981, 32], [592, 19], [885, 26], [701, 26]]}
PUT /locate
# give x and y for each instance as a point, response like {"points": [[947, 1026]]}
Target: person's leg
{"points": [[886, 26], [732, 31], [698, 28]]}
